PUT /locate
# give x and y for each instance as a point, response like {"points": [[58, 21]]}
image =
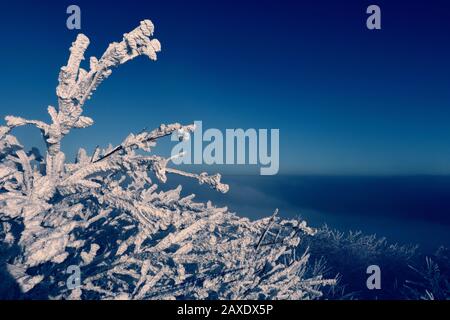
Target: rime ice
{"points": [[104, 213]]}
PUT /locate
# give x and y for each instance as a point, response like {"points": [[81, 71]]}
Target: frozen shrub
{"points": [[104, 213], [406, 273]]}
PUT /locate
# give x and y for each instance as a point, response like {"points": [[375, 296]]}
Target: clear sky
{"points": [[346, 100]]}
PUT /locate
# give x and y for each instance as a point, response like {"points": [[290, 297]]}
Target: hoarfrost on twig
{"points": [[103, 213]]}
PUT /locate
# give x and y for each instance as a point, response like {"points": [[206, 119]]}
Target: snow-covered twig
{"points": [[104, 213]]}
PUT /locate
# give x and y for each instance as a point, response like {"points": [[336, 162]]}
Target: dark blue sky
{"points": [[346, 100]]}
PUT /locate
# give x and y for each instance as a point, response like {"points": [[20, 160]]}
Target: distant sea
{"points": [[404, 209]]}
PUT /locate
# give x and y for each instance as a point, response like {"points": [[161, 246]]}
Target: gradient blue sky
{"points": [[346, 100]]}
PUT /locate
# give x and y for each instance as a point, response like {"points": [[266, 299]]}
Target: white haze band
{"points": [[229, 149]]}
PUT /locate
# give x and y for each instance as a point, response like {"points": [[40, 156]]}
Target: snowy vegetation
{"points": [[104, 213], [407, 273]]}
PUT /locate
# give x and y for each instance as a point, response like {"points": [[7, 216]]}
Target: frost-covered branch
{"points": [[104, 213], [76, 85], [145, 140], [213, 181]]}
